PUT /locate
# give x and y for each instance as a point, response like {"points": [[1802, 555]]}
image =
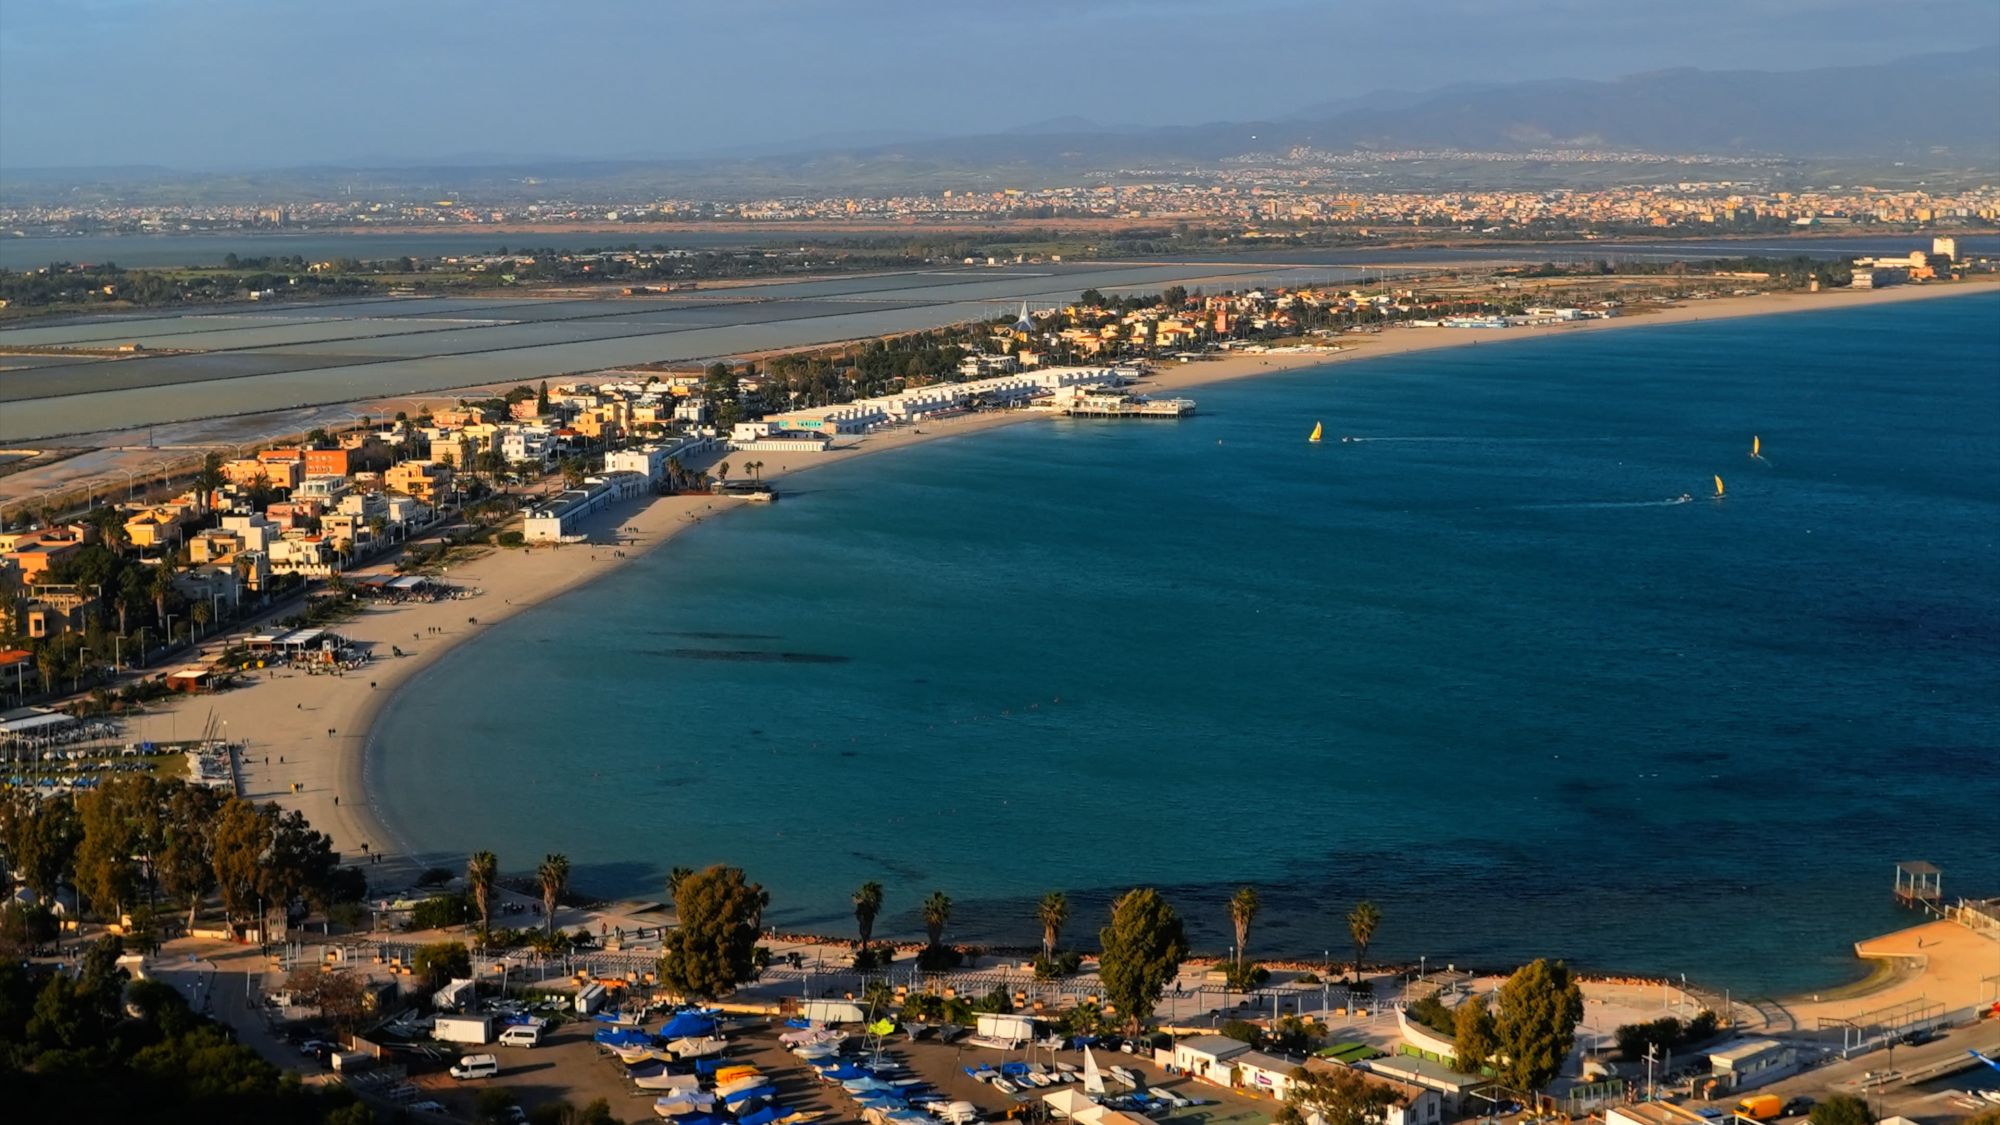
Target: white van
{"points": [[521, 1035], [476, 1066]]}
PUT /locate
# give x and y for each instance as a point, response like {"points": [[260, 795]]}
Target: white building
{"points": [[1207, 1057], [562, 517], [529, 443], [255, 531], [650, 461], [918, 403]]}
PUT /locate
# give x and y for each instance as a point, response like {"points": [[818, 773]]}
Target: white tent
{"points": [[1068, 1102]]}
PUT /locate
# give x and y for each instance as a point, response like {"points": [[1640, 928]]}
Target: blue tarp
{"points": [[1013, 1068], [710, 1066], [802, 1025], [689, 1025], [622, 1037], [842, 1071], [739, 1097], [763, 1116]]}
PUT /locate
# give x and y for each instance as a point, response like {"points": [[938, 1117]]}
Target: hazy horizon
{"points": [[230, 85]]}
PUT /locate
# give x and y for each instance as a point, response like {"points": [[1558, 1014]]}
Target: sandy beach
{"points": [[309, 738]]}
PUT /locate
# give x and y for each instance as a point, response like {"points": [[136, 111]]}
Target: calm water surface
{"points": [[1481, 666]]}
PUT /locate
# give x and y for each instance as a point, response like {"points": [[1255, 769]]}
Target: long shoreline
{"points": [[334, 751]]}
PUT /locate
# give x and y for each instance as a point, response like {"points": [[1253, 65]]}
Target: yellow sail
{"points": [[1718, 487], [1756, 446], [1316, 432]]}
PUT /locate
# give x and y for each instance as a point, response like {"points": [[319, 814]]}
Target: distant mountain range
{"points": [[1929, 107], [1930, 112]]}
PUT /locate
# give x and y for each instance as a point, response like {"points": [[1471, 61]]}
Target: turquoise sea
{"points": [[1480, 666]]}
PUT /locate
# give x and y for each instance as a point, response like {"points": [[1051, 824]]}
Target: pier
{"points": [[1919, 884], [1094, 403]]}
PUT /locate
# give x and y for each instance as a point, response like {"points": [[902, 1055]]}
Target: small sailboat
{"points": [[1718, 488], [1756, 448], [1317, 432]]}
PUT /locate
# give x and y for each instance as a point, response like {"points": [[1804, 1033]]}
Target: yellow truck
{"points": [[1760, 1107]]}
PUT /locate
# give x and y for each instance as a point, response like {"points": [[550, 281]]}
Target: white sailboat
{"points": [[1093, 1079]]}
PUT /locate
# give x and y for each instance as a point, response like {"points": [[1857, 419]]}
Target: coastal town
{"points": [[857, 562], [288, 589], [1261, 201]]}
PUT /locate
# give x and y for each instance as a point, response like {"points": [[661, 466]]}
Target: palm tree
{"points": [[482, 873], [554, 876], [722, 472], [675, 878], [937, 911], [1052, 913], [1362, 922], [867, 906], [1242, 912], [161, 586]]}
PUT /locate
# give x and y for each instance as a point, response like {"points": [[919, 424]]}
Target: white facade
{"points": [[528, 443], [255, 531], [920, 402], [562, 517]]}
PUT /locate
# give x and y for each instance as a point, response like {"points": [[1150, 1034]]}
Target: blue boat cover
{"points": [[739, 1097], [1013, 1068], [689, 1025], [841, 1071], [763, 1116], [622, 1037]]}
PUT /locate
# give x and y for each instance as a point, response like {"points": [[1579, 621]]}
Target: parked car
{"points": [[476, 1066], [1796, 1106]]}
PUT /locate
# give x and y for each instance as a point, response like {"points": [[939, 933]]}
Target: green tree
{"points": [[1362, 922], [1474, 1036], [553, 874], [714, 946], [1052, 912], [120, 824], [440, 962], [240, 836], [186, 866], [867, 907], [937, 912], [482, 877], [675, 878], [1143, 948], [1540, 1006], [1335, 1095], [1243, 911], [41, 837], [1841, 1109]]}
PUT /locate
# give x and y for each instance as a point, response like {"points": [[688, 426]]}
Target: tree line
{"points": [[136, 844]]}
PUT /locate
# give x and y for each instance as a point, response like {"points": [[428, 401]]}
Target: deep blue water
{"points": [[1478, 667]]}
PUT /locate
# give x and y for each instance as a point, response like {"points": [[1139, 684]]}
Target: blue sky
{"points": [[263, 83]]}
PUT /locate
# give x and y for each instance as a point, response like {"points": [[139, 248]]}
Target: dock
{"points": [[1097, 403], [1919, 884]]}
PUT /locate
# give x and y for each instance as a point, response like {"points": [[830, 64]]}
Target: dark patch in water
{"points": [[849, 754], [908, 873], [701, 636], [752, 656]]}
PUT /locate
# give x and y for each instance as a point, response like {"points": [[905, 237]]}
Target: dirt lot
{"points": [[568, 1066]]}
